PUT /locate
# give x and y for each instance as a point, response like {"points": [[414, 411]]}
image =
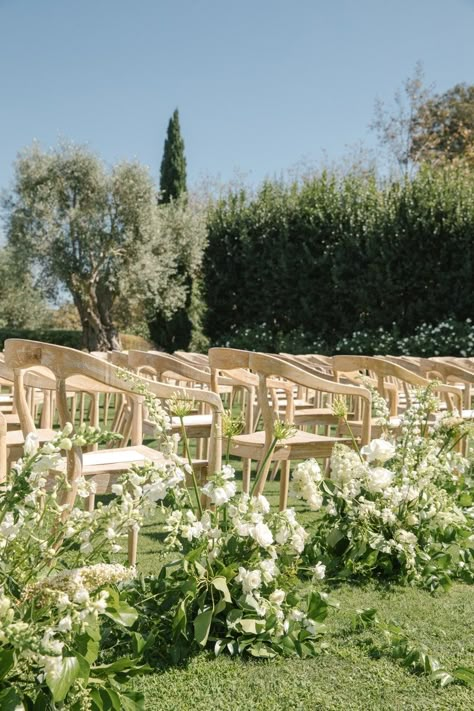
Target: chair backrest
{"points": [[384, 368], [269, 367], [88, 372], [199, 359], [164, 365]]}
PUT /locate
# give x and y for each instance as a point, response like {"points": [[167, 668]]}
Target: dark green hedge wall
{"points": [[72, 339], [332, 256]]}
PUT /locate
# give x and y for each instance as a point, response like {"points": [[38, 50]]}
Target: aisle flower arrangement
{"points": [[58, 598], [398, 508], [76, 625]]}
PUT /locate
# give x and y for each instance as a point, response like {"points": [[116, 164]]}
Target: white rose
{"points": [[277, 596], [261, 504], [379, 450], [282, 536], [250, 579], [379, 479], [262, 534], [269, 570], [319, 571], [315, 501]]}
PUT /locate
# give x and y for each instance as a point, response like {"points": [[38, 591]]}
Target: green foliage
{"points": [[443, 128], [22, 305], [173, 164], [71, 339], [328, 257], [177, 322]]}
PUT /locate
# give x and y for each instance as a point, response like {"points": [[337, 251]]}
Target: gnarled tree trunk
{"points": [[98, 330]]}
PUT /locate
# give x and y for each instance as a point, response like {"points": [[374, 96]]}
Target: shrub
{"points": [[328, 257]]}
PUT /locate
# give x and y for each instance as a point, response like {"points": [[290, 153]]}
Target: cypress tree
{"points": [[173, 164]]}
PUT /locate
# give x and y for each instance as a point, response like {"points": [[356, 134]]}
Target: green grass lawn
{"points": [[345, 675]]}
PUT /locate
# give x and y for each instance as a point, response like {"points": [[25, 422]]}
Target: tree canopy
{"points": [[95, 232], [173, 164]]}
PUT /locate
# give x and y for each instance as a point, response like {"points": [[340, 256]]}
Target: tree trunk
{"points": [[98, 330]]}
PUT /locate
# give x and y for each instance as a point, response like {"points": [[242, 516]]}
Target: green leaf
{"points": [[442, 676], [88, 647], [317, 606], [138, 642], [124, 664], [7, 661], [251, 626], [335, 539], [261, 650], [464, 674], [202, 626], [122, 613], [180, 619], [72, 668], [9, 700], [221, 585]]}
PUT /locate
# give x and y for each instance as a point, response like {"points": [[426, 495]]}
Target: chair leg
{"points": [[91, 502], [132, 545], [284, 484], [276, 466], [246, 472]]}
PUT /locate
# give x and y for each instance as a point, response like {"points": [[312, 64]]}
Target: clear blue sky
{"points": [[260, 84]]}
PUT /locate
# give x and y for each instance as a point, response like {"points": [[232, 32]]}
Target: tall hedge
{"points": [[331, 256]]}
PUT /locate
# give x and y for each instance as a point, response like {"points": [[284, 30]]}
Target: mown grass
{"points": [[347, 674]]}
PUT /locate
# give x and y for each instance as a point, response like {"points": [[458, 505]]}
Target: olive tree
{"points": [[85, 228]]}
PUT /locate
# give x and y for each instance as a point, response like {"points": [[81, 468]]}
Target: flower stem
{"points": [[263, 464], [187, 454]]}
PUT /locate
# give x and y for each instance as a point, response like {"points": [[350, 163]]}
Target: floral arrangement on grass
{"points": [[395, 509], [58, 599], [232, 583]]}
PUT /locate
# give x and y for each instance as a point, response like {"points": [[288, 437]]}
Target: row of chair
{"points": [[51, 383]]}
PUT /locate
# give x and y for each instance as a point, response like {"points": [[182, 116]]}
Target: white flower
{"points": [[250, 579], [262, 534], [81, 596], [378, 450], [68, 428], [31, 444], [277, 596], [65, 625], [261, 503], [155, 491], [117, 489], [269, 570], [403, 536], [379, 479], [221, 494], [319, 571]]}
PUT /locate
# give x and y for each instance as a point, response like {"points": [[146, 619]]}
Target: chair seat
{"points": [[198, 426], [106, 465], [315, 416], [13, 421], [302, 445], [15, 437]]}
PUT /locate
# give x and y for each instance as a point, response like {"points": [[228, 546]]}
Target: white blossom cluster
{"points": [[395, 498]]}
